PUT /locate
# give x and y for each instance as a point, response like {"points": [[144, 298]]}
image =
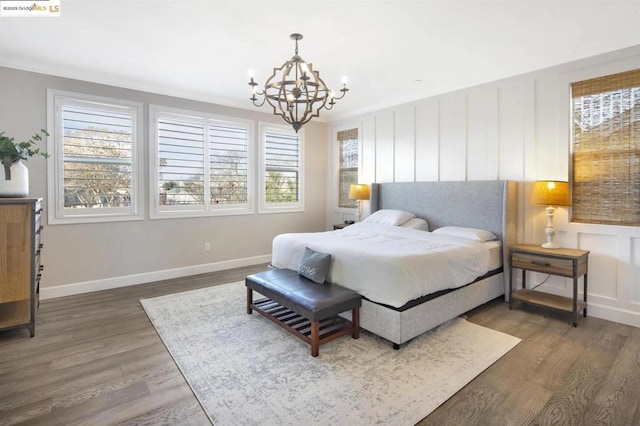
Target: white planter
{"points": [[18, 185]]}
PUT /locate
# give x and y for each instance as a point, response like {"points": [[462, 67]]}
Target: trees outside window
{"points": [[95, 149], [199, 165], [281, 185]]}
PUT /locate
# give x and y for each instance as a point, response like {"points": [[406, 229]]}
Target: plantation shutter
{"points": [[282, 165], [228, 159], [180, 162], [348, 166], [606, 149], [97, 156]]}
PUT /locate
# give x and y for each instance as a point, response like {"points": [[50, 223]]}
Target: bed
{"points": [[422, 294]]}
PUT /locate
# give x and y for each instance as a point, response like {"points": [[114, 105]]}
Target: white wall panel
{"points": [[634, 276], [367, 166], [404, 147], [482, 134], [603, 264], [512, 98], [517, 128], [384, 146], [453, 137], [427, 140], [552, 146]]}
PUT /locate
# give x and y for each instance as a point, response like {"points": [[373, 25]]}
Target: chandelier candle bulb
{"points": [[295, 90]]}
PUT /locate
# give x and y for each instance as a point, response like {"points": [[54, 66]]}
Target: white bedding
{"points": [[389, 264]]}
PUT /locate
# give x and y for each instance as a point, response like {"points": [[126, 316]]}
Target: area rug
{"points": [[245, 370]]}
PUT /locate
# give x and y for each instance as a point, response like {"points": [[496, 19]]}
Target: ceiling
{"points": [[392, 51]]}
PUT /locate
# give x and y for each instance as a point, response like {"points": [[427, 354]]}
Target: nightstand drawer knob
{"points": [[540, 263]]}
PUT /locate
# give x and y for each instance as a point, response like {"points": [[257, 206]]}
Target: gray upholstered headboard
{"points": [[489, 205]]}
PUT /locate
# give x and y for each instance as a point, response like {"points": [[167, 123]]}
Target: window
{"points": [[347, 166], [281, 186], [94, 174], [606, 149], [200, 164]]}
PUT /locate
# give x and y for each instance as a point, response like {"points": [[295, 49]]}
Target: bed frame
{"points": [[489, 205]]}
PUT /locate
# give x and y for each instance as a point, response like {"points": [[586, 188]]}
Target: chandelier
{"points": [[295, 91]]}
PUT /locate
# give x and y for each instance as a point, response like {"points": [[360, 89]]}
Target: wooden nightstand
{"points": [[564, 262], [341, 225]]}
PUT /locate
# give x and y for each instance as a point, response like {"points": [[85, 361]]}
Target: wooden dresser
{"points": [[20, 264]]}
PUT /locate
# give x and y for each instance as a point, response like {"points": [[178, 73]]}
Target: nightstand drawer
{"points": [[546, 264]]}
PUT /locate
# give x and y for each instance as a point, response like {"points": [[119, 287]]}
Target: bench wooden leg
{"points": [[249, 300], [315, 338], [355, 320]]}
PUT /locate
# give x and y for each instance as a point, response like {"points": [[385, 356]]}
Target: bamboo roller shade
{"points": [[606, 149]]}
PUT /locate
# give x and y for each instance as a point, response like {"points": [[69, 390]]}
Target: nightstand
{"points": [[563, 262], [341, 225]]}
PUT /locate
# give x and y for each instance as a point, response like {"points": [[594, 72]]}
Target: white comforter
{"points": [[388, 264]]}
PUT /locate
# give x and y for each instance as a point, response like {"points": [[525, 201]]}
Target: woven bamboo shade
{"points": [[348, 167], [606, 149], [343, 135]]}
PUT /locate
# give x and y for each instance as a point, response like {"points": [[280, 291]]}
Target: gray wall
{"points": [[83, 257]]}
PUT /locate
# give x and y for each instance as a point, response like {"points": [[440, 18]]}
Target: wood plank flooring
{"points": [[97, 360]]}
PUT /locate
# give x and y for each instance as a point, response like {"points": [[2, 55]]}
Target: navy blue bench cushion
{"points": [[303, 296]]}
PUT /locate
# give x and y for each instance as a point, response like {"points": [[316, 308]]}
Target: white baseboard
{"points": [[619, 315], [147, 277]]}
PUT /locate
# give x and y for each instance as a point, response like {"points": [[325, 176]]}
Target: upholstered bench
{"points": [[304, 308]]}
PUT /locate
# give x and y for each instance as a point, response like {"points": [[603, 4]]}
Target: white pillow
{"points": [[389, 217], [416, 223], [466, 233]]}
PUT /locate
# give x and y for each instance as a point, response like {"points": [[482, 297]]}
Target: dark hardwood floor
{"points": [[96, 359]]}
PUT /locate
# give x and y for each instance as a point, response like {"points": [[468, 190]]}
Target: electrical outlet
{"points": [[207, 246]]}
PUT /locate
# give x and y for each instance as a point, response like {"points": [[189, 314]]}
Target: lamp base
{"points": [[550, 245]]}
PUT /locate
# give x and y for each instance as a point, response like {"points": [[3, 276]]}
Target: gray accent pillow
{"points": [[315, 265]]}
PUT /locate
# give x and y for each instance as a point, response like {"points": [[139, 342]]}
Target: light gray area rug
{"points": [[245, 370]]}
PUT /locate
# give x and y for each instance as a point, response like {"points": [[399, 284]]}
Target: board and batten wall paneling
{"points": [[384, 146], [453, 137], [603, 269], [404, 144], [513, 128], [427, 150], [634, 271], [482, 134], [517, 128], [552, 141], [367, 160]]}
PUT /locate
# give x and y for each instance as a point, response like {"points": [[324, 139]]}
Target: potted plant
{"points": [[16, 177]]}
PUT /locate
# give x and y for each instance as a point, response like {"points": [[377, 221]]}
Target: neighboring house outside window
{"points": [[199, 164], [347, 166], [94, 174], [606, 149], [281, 180]]}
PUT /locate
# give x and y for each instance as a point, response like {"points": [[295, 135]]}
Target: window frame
{"points": [[336, 165], [57, 213], [263, 206], [206, 209]]}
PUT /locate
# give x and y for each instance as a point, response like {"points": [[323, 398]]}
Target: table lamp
{"points": [[359, 192], [551, 193]]}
